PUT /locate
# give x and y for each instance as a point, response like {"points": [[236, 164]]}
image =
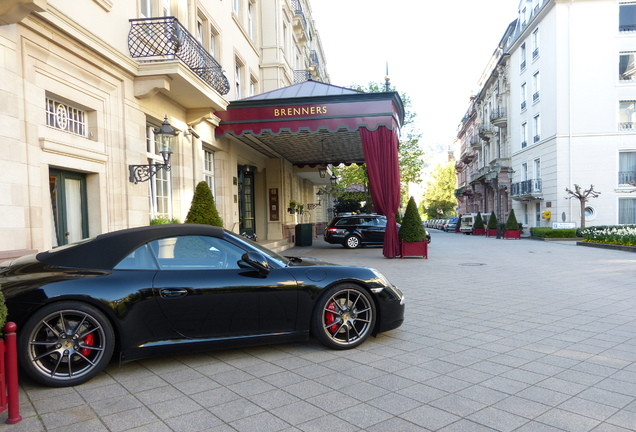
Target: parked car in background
{"points": [[451, 224], [167, 289], [353, 231]]}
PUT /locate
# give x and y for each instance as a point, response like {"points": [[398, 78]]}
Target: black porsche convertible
{"points": [[169, 289]]}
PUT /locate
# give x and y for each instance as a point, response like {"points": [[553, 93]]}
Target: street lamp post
{"points": [[164, 137]]}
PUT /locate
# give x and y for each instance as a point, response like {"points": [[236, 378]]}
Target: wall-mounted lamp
{"points": [[322, 171], [164, 138], [334, 180]]}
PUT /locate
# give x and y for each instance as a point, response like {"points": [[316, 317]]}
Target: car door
{"points": [[374, 229], [206, 291]]}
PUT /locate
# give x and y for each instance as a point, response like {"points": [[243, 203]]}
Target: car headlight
{"points": [[382, 279]]}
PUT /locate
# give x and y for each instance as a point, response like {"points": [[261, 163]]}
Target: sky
{"points": [[436, 52]]}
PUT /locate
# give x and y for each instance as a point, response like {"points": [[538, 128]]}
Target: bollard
{"points": [[11, 364]]}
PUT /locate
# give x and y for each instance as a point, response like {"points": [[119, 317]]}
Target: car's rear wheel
{"points": [[344, 317], [352, 241], [65, 344]]}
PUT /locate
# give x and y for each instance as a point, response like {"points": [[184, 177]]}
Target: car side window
{"points": [[196, 253], [139, 259], [381, 222], [348, 221]]}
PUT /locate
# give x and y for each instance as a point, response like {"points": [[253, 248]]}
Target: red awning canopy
{"points": [[314, 123], [310, 123]]}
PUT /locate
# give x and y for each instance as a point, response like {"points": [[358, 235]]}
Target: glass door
{"points": [[246, 199], [68, 206]]}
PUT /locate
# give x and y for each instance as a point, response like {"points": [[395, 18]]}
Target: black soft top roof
{"points": [[106, 250]]}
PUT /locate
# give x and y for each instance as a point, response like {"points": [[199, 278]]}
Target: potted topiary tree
{"points": [[412, 233], [478, 225], [491, 229], [513, 230], [292, 207], [203, 209]]}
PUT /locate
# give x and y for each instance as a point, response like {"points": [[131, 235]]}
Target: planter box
{"points": [[512, 234], [479, 231], [491, 232], [414, 249]]}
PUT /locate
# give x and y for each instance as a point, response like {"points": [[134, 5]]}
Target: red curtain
{"points": [[381, 156]]}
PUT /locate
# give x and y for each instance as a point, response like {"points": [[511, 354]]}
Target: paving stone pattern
{"points": [[500, 335]]}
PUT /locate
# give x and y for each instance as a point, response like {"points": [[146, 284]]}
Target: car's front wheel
{"points": [[65, 344], [344, 317], [352, 241]]}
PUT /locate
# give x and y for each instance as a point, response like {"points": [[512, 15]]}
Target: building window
{"points": [[627, 66], [627, 168], [535, 87], [536, 120], [537, 213], [252, 86], [238, 78], [208, 169], [145, 8], [627, 115], [627, 211], [535, 44], [537, 169], [159, 185], [235, 6], [250, 20], [524, 96], [65, 117], [524, 17], [285, 37], [522, 65], [627, 17], [524, 134]]}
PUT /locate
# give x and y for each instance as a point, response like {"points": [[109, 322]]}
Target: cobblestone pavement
{"points": [[500, 335]]}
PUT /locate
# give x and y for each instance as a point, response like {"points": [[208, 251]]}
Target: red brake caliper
{"points": [[330, 318], [90, 341]]}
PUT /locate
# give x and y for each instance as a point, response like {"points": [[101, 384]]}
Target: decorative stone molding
{"points": [[14, 11]]}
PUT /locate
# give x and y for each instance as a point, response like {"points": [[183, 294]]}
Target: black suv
{"points": [[353, 231]]}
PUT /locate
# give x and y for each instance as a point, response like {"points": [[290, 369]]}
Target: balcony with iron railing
{"points": [[627, 178], [300, 21], [486, 132], [162, 40], [535, 53], [523, 105], [301, 76], [475, 141], [535, 96], [627, 126], [526, 188], [499, 117]]}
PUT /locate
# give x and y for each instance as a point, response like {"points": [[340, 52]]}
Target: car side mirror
{"points": [[258, 261]]}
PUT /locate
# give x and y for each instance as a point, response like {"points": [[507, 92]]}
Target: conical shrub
{"points": [[412, 229], [203, 209]]}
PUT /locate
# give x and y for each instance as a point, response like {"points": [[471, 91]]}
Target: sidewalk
{"points": [[500, 335]]}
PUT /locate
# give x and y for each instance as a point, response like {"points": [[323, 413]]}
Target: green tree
{"points": [[409, 153], [203, 209], [439, 197]]}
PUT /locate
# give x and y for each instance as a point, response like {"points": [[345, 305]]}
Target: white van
{"points": [[468, 220]]}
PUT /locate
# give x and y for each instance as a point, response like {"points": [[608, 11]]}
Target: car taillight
{"points": [[332, 230]]}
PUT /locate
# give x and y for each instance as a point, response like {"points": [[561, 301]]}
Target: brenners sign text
{"points": [[298, 111]]}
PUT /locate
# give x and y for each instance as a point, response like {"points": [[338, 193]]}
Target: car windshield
{"points": [[279, 259]]}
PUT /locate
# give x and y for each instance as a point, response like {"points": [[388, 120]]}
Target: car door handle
{"points": [[173, 292]]}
